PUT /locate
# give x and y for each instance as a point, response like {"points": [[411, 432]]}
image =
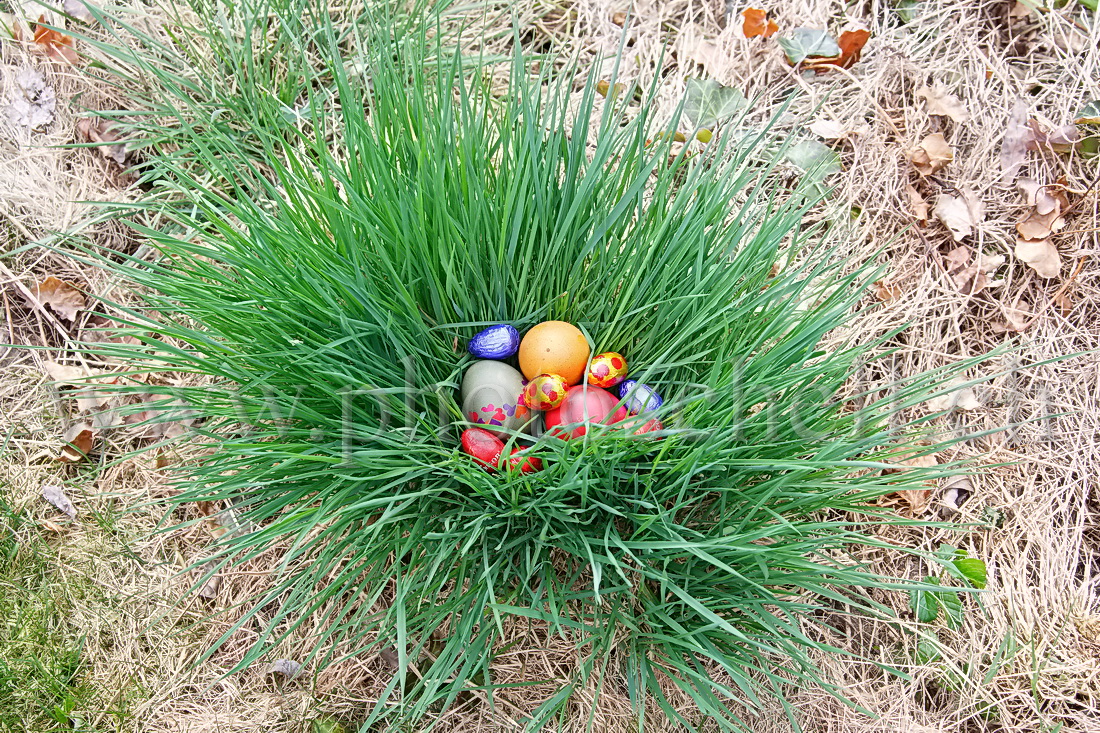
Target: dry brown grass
{"points": [[1042, 608]]}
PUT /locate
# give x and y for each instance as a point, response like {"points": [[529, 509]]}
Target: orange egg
{"points": [[554, 347]]}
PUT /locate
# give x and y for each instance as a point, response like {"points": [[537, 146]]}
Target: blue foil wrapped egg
{"points": [[639, 397], [495, 342]]}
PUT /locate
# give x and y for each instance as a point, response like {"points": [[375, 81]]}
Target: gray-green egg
{"points": [[491, 396]]}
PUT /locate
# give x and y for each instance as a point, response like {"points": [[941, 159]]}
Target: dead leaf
{"points": [[917, 204], [56, 496], [849, 45], [972, 278], [1014, 146], [88, 397], [960, 213], [1060, 140], [1034, 230], [34, 108], [957, 397], [931, 155], [52, 526], [55, 44], [62, 297], [619, 19], [79, 10], [1041, 256], [1064, 303], [286, 667], [757, 23], [1020, 10], [916, 501], [943, 104], [79, 439], [887, 293], [828, 129], [109, 143], [211, 587]]}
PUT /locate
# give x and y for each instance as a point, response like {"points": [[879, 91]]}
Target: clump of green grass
{"points": [[326, 300]]}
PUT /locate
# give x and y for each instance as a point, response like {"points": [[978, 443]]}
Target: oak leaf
{"points": [[943, 104], [62, 297], [54, 43]]}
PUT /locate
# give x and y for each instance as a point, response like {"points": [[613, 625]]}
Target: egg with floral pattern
{"points": [[545, 392], [491, 396], [607, 370]]}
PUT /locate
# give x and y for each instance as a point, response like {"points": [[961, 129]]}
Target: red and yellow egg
{"points": [[607, 369]]}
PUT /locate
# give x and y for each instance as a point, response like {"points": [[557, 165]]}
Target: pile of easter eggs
{"points": [[557, 388]]}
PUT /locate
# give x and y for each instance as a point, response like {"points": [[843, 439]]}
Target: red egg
{"points": [[585, 405], [524, 463], [483, 446]]}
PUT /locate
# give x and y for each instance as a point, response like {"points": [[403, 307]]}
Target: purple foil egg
{"points": [[495, 342], [639, 397]]}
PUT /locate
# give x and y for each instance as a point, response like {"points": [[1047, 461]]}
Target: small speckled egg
{"points": [[545, 392], [607, 369], [491, 396], [583, 406], [639, 397], [495, 342], [554, 347]]}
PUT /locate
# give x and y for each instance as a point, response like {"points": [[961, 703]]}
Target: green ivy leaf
{"points": [[814, 158], [804, 43], [972, 570], [707, 102], [907, 10], [1089, 114]]}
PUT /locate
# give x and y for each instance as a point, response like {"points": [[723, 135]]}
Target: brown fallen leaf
{"points": [[957, 397], [942, 103], [915, 501], [1059, 139], [1064, 303], [757, 23], [1014, 146], [54, 44], [960, 213], [931, 155], [88, 397], [853, 37], [917, 204], [972, 278], [619, 19], [79, 439], [62, 297], [887, 293], [1035, 229], [56, 496], [211, 588], [109, 143]]}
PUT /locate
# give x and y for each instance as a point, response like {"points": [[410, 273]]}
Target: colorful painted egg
{"points": [[607, 369], [485, 447], [495, 342], [639, 397], [491, 396], [519, 460], [584, 405], [554, 347], [545, 392]]}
